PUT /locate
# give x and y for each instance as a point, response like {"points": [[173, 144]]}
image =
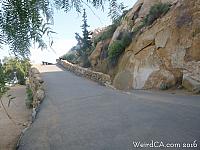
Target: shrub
{"points": [[138, 28], [108, 33], [2, 81], [114, 51], [29, 99], [118, 47], [21, 77], [18, 66], [85, 62], [70, 57], [126, 39], [164, 86], [155, 12]]}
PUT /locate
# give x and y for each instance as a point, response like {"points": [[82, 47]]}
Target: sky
{"points": [[65, 26]]}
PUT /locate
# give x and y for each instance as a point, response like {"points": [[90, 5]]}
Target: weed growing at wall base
{"points": [[29, 99]]}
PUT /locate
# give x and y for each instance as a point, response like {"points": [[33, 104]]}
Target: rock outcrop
{"points": [[99, 53], [165, 53], [158, 47], [191, 76]]}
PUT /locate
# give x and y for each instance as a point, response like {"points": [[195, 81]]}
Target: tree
{"points": [[84, 42], [87, 43], [23, 22], [21, 67], [2, 80], [115, 10]]}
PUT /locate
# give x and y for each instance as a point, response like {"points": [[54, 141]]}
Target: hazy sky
{"points": [[66, 25]]}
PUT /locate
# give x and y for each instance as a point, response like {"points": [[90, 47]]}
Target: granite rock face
{"points": [[167, 52], [123, 80], [99, 53], [191, 76]]}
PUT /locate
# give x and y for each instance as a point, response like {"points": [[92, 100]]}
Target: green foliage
{"points": [[70, 57], [164, 86], [137, 29], [107, 34], [114, 51], [23, 22], [118, 47], [126, 39], [155, 12], [85, 62], [86, 40], [2, 81], [84, 43], [19, 66], [29, 99], [115, 8]]}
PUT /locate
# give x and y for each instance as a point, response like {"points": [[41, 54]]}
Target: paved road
{"points": [[78, 114]]}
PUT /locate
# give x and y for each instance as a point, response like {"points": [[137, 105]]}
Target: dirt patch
{"points": [[10, 129]]}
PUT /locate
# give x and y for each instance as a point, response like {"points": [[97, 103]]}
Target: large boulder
{"points": [[160, 79], [141, 65], [123, 80], [96, 55], [191, 76], [191, 84]]}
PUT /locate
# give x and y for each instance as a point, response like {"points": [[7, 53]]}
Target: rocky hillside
{"points": [[163, 52]]}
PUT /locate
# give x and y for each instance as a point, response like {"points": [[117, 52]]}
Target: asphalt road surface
{"points": [[79, 114]]}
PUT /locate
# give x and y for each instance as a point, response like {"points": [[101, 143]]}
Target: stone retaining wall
{"points": [[37, 86], [87, 73]]}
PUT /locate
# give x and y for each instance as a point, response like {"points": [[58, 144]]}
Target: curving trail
{"points": [[78, 114]]}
